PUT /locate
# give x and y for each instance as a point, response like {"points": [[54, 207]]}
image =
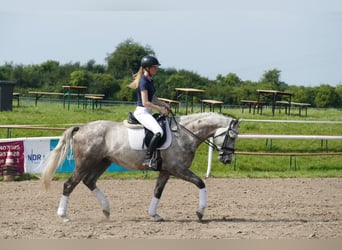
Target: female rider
{"points": [[148, 101]]}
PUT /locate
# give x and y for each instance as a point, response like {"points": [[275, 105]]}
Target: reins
{"points": [[208, 142]]}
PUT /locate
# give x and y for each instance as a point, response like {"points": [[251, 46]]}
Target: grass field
{"points": [[54, 115]]}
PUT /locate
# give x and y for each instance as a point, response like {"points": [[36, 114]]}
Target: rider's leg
{"points": [[151, 148], [144, 116]]}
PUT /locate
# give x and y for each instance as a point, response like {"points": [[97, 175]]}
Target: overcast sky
{"points": [[301, 38]]}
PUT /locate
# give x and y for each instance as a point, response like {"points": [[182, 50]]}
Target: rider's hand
{"points": [[165, 111]]}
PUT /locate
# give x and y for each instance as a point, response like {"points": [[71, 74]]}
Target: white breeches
{"points": [[144, 116]]}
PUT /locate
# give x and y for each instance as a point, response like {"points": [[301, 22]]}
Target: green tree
{"points": [[91, 66], [6, 71], [338, 90], [80, 78], [271, 79], [232, 80], [125, 60], [104, 84], [326, 96], [125, 93]]}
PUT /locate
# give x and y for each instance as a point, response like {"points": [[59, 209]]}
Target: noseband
{"points": [[225, 149]]}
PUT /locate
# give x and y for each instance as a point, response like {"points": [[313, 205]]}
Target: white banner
{"points": [[35, 150]]}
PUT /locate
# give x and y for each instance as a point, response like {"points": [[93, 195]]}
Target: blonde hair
{"points": [[137, 76]]}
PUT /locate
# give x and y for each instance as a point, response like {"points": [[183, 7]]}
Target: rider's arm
{"points": [[151, 105], [156, 100]]}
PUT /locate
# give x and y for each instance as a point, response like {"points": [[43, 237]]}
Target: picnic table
{"points": [[172, 103], [212, 104], [78, 90], [252, 104], [275, 96], [188, 92]]}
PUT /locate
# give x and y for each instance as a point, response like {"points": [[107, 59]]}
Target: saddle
{"points": [[139, 137]]}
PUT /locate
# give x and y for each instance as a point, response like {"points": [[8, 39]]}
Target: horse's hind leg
{"points": [[90, 181], [68, 187]]}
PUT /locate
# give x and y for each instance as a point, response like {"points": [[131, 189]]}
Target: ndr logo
{"points": [[34, 157]]}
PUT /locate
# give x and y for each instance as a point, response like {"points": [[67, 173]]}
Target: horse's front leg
{"points": [[188, 175], [202, 202], [158, 190]]}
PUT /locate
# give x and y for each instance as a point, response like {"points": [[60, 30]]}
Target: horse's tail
{"points": [[57, 156]]}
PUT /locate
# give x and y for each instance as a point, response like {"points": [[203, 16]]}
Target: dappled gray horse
{"points": [[97, 144]]}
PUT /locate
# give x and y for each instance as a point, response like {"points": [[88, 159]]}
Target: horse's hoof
{"points": [[65, 218], [157, 218], [199, 215], [106, 214]]}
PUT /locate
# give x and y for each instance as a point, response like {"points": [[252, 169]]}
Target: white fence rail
{"points": [[274, 136]]}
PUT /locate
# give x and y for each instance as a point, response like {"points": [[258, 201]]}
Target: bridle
{"points": [[224, 149]]}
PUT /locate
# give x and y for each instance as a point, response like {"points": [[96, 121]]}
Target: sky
{"points": [[301, 38]]}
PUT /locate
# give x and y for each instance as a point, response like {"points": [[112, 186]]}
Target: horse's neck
{"points": [[204, 125]]}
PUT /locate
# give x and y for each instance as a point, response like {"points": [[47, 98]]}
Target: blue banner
{"points": [[69, 164]]}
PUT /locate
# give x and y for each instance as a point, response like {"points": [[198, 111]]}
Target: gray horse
{"points": [[97, 144]]}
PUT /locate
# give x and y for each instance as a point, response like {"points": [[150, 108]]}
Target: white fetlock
{"points": [[103, 201], [62, 208], [202, 203], [152, 211], [153, 206]]}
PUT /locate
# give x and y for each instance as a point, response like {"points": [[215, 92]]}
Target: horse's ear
{"points": [[237, 121]]}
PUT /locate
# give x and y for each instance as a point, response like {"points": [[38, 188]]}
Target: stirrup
{"points": [[151, 163], [147, 162]]}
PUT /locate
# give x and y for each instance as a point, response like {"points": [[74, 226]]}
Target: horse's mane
{"points": [[214, 117], [211, 117]]}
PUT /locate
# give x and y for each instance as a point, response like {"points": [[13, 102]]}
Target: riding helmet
{"points": [[148, 61]]}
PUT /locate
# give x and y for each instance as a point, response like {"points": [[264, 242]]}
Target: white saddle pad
{"points": [[136, 135]]}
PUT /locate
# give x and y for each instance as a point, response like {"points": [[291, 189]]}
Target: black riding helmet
{"points": [[148, 61]]}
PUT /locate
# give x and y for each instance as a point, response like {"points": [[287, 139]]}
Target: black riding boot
{"points": [[148, 161]]}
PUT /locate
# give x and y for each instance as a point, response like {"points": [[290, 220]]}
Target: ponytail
{"points": [[137, 76]]}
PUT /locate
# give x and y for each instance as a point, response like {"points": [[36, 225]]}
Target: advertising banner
{"points": [[35, 151], [17, 154], [68, 165], [28, 153]]}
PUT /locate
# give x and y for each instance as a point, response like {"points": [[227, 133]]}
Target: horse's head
{"points": [[226, 137]]}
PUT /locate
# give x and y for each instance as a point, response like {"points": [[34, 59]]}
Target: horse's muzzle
{"points": [[225, 159]]}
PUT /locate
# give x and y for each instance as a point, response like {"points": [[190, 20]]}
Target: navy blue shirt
{"points": [[145, 84]]}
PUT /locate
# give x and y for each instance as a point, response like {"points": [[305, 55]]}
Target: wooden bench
{"points": [[283, 104], [93, 97], [256, 105], [95, 100], [211, 104], [39, 94], [301, 106], [173, 103], [16, 96]]}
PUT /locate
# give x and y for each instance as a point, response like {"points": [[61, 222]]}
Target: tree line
{"points": [[112, 80]]}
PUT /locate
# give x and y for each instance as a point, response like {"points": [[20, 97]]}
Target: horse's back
{"points": [[99, 131]]}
